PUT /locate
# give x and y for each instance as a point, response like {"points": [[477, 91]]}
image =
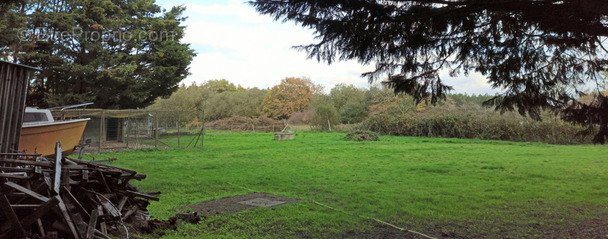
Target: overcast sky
{"points": [[235, 43]]}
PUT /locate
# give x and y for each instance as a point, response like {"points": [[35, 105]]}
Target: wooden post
{"points": [[92, 223], [57, 178], [102, 119], [178, 129], [136, 133], [127, 127], [203, 131], [329, 124], [156, 129]]}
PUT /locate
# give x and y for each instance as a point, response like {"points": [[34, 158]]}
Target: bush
{"points": [[239, 123], [352, 113], [362, 135], [324, 115], [487, 125], [301, 118]]}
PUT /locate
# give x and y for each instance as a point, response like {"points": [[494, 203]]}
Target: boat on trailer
{"points": [[40, 132]]}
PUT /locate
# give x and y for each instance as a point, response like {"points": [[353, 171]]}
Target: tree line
{"points": [[298, 101]]}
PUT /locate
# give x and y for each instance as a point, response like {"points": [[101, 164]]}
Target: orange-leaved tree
{"points": [[290, 96]]}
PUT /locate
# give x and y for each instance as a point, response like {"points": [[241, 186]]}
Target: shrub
{"points": [[352, 113], [240, 123], [487, 125], [301, 118], [362, 135], [323, 117]]}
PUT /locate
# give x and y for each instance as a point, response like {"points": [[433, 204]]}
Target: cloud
{"points": [[234, 42]]}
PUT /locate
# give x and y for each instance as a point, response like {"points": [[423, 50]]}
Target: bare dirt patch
{"points": [[235, 204]]}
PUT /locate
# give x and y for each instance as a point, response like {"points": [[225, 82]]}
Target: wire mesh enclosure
{"points": [[115, 130]]}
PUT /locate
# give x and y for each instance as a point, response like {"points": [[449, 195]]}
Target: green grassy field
{"points": [[454, 187]]}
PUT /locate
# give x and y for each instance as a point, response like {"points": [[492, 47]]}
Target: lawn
{"points": [[440, 187]]}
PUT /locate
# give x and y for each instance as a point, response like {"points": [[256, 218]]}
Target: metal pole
{"points": [[178, 129]]}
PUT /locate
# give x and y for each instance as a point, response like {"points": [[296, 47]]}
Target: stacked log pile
{"points": [[61, 197]]}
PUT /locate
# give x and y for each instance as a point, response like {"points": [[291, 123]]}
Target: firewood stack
{"points": [[61, 197]]}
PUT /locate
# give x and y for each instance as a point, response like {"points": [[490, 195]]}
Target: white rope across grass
{"points": [[345, 212], [374, 219]]}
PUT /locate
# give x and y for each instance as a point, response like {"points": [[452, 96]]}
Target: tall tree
{"points": [[118, 54], [290, 96], [540, 52], [222, 85]]}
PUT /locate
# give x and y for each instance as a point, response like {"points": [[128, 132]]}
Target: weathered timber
{"points": [[42, 209], [68, 218], [57, 178], [61, 197], [67, 194], [12, 216], [92, 223], [108, 206], [139, 194], [26, 162], [26, 191]]}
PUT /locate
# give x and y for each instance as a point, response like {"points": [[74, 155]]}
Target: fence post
{"points": [[127, 128], [203, 133], [101, 121], [178, 129], [156, 129]]}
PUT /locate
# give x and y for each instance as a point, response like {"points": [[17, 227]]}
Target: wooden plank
{"points": [[138, 194], [67, 194], [121, 203], [105, 183], [25, 206], [11, 169], [21, 154], [43, 209], [85, 175], [74, 167], [57, 178], [26, 162], [38, 169], [92, 224], [92, 164], [10, 214], [130, 212], [41, 227], [68, 218], [102, 224], [108, 206], [14, 176], [39, 188], [26, 191]]}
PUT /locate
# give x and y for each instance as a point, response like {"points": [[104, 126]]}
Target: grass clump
{"points": [[362, 135]]}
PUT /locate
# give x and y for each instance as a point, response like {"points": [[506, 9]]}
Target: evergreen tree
{"points": [[540, 52], [117, 54]]}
